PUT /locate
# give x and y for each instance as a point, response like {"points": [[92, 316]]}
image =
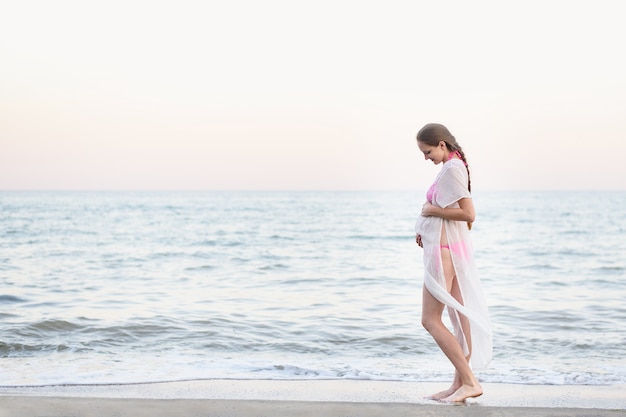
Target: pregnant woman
{"points": [[450, 276]]}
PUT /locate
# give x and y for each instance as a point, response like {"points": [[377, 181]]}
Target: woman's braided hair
{"points": [[433, 133]]}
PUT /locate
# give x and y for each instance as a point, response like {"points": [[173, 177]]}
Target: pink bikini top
{"points": [[430, 193]]}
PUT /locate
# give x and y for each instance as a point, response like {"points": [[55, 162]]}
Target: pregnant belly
{"points": [[428, 227]]}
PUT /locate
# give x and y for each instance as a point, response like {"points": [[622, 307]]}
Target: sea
{"points": [[133, 287]]}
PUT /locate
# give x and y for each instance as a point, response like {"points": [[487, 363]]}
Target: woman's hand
{"points": [[428, 209], [464, 213], [418, 240]]}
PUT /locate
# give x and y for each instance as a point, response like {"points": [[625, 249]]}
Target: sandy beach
{"points": [[305, 398]]}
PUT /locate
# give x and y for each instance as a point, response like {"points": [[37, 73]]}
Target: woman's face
{"points": [[435, 153]]}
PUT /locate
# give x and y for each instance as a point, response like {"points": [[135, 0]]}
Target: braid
{"points": [[457, 148], [464, 159], [469, 181]]}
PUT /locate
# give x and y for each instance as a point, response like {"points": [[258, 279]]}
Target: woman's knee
{"points": [[429, 323]]}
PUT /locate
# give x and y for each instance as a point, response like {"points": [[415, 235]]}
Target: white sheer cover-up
{"points": [[449, 187]]}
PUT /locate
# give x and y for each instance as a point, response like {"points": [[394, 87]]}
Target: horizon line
{"points": [[194, 190]]}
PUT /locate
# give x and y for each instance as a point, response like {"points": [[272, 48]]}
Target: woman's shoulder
{"points": [[455, 162], [455, 165], [454, 173]]}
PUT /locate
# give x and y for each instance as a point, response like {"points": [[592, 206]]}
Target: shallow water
{"points": [[108, 287]]}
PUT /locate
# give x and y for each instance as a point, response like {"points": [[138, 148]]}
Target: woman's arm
{"points": [[465, 212]]}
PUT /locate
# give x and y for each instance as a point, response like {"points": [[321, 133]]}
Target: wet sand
{"points": [[327, 398]]}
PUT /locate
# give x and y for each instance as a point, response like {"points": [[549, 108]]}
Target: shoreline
{"points": [[305, 397]]}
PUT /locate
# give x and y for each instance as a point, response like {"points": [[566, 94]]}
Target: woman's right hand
{"points": [[418, 240]]}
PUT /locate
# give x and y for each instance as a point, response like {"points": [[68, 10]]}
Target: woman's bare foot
{"points": [[463, 393], [443, 394], [456, 384]]}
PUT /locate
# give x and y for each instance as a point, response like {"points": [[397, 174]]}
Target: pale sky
{"points": [[195, 95]]}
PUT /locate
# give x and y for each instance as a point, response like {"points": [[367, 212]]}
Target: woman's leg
{"points": [[432, 309], [465, 384], [465, 325]]}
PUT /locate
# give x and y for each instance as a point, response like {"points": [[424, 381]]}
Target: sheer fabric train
{"points": [[449, 187]]}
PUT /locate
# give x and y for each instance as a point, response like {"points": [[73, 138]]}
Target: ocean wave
{"points": [[21, 349], [11, 299]]}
